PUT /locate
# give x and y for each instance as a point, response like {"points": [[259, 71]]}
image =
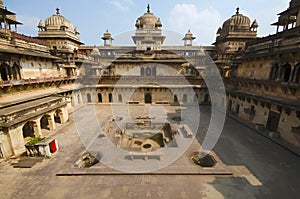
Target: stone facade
{"points": [[45, 78], [51, 75], [266, 88]]}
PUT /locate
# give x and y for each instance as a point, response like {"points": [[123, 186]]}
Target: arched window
{"points": [[274, 72], [148, 71], [285, 72], [120, 98]]}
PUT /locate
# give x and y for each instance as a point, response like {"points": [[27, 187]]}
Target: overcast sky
{"points": [[93, 17]]}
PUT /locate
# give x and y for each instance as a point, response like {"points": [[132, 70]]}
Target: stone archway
{"points": [[44, 122], [99, 97], [274, 72], [148, 98], [58, 116], [110, 98], [5, 72], [285, 72], [16, 72], [28, 129], [175, 99]]}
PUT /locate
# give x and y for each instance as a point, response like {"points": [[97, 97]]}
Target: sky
{"points": [[93, 17]]}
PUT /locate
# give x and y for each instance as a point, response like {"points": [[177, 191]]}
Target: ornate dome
{"points": [[56, 21], [237, 21], [148, 20]]}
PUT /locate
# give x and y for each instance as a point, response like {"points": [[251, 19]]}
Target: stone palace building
{"points": [[45, 78]]}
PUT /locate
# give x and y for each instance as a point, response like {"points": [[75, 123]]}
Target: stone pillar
{"points": [[51, 122], [37, 128], [64, 115]]}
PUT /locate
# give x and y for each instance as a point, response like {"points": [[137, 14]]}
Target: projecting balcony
{"points": [[11, 83]]}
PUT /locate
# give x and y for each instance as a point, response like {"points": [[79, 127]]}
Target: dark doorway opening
{"points": [[110, 98], [148, 98], [45, 122], [57, 116], [100, 97], [28, 129], [237, 110], [175, 99]]}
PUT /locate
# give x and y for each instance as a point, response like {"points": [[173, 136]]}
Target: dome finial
{"points": [[57, 11], [148, 8], [237, 10]]}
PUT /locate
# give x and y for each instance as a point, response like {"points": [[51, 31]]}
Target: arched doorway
{"points": [[58, 116], [16, 72], [100, 97], [175, 99], [110, 98], [148, 98], [4, 70], [274, 72], [28, 129], [285, 72], [89, 97], [237, 110], [45, 122]]}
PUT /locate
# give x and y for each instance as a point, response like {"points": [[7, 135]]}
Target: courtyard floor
{"points": [[258, 168]]}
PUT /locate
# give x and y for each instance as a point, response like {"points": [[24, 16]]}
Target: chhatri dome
{"points": [[237, 22], [57, 30], [57, 21], [148, 20]]}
